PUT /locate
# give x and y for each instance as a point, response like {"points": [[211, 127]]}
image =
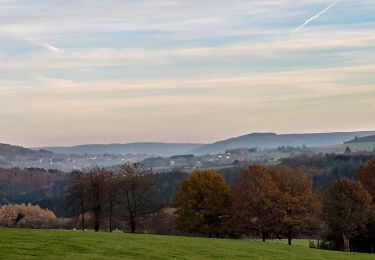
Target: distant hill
{"points": [[151, 149], [17, 156], [365, 139], [10, 153], [272, 140], [261, 140], [14, 150]]}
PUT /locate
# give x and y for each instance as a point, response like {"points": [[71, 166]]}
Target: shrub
{"points": [[31, 216]]}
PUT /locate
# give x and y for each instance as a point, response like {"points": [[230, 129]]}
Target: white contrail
{"points": [[30, 40], [316, 16], [42, 44]]}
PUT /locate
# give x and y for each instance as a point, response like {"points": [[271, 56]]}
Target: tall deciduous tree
{"points": [[202, 203], [96, 179], [366, 175], [298, 203], [255, 202], [347, 209], [137, 190], [111, 197], [76, 194]]}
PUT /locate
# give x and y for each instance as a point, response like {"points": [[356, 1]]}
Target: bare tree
{"points": [[96, 179], [136, 188], [111, 197], [76, 194]]}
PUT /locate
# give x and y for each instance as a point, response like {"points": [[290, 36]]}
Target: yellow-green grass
{"points": [[69, 245], [295, 242]]}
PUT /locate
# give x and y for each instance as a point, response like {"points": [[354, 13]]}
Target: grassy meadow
{"points": [[69, 245]]}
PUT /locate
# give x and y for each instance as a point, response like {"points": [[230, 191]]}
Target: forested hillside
{"points": [[33, 185], [326, 168], [272, 140], [364, 139]]}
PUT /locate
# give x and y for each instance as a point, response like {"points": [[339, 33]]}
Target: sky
{"points": [[117, 71]]}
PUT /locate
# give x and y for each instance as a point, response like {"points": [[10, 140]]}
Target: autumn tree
{"points": [[347, 209], [27, 215], [202, 203], [255, 201], [298, 204], [366, 175], [137, 193]]}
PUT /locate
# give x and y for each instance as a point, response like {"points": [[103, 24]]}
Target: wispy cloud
{"points": [[109, 69]]}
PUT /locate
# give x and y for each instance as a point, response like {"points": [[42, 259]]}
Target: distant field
{"points": [[340, 148], [68, 245]]}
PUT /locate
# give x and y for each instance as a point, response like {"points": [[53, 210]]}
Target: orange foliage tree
{"points": [[202, 203], [298, 204], [366, 175], [255, 202], [347, 209]]}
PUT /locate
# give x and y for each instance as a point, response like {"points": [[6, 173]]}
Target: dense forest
{"points": [[34, 185], [326, 168]]}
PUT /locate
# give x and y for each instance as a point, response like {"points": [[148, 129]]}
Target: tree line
{"points": [[279, 202], [123, 197], [261, 202], [252, 202]]}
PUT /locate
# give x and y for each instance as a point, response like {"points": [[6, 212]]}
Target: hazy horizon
{"points": [[185, 142], [83, 72]]}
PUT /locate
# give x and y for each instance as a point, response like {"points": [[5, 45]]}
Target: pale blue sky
{"points": [[87, 71]]}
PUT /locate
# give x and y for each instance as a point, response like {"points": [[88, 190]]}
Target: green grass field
{"points": [[69, 245]]}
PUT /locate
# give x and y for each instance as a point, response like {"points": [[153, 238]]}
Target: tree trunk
{"points": [[263, 237], [83, 220], [97, 223], [110, 222], [289, 236], [131, 214], [110, 213], [346, 243], [82, 204], [132, 226]]}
